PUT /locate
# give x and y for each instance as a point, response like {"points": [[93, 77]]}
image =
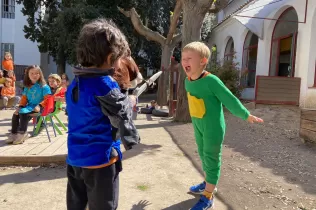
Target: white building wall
{"points": [[305, 54], [25, 51]]}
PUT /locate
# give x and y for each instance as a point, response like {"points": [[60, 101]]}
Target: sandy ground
{"points": [[264, 167], [156, 176]]}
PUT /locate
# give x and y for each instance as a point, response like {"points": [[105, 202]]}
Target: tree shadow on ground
{"points": [[140, 149], [281, 152], [34, 175], [46, 173], [156, 125]]}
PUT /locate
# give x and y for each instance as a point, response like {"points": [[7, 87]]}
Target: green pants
{"points": [[209, 142]]}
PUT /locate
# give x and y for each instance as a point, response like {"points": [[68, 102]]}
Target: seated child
{"points": [[2, 80], [64, 81], [8, 94], [7, 63], [32, 101], [56, 87], [153, 105], [12, 77]]}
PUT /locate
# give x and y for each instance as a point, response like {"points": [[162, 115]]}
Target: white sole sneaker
{"points": [[20, 138]]}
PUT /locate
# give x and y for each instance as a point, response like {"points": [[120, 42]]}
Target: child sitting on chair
{"points": [[32, 101], [7, 63], [2, 80], [56, 87], [12, 77], [8, 94]]}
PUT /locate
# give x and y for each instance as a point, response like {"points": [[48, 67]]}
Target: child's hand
{"points": [[254, 119], [17, 111], [37, 109]]}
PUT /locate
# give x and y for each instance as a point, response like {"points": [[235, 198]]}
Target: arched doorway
{"points": [[250, 60], [283, 46], [229, 50]]}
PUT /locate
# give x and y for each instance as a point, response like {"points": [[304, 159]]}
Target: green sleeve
{"points": [[228, 99]]}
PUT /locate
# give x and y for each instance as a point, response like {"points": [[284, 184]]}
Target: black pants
{"points": [[20, 123], [99, 188]]}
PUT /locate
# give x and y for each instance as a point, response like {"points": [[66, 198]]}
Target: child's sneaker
{"points": [[198, 189], [11, 138], [204, 203], [21, 138]]}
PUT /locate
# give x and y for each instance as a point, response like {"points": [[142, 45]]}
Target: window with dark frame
{"points": [[8, 9], [283, 45], [229, 50], [249, 63]]}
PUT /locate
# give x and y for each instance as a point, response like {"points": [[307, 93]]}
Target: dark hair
{"points": [[97, 40], [67, 79], [27, 81], [127, 71]]}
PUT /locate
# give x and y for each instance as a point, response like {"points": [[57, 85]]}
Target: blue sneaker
{"points": [[204, 203], [198, 189]]}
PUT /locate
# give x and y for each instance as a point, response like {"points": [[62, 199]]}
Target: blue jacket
{"points": [[90, 140]]}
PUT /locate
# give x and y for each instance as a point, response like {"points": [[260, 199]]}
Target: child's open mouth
{"points": [[187, 69]]}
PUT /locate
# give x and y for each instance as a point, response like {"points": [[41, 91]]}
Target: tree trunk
{"points": [[193, 16], [61, 66], [163, 82]]}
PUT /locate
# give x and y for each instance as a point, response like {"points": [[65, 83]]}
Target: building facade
{"points": [[12, 36], [270, 38]]}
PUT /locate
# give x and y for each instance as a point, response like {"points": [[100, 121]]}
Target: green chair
{"points": [[49, 117]]}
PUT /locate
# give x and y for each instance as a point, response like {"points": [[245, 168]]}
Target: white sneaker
{"points": [[11, 138], [21, 137]]}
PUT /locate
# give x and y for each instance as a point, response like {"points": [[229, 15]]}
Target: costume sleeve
{"points": [[117, 107], [23, 101], [61, 93], [227, 98], [46, 93]]}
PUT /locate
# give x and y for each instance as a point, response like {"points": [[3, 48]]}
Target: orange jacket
{"points": [[7, 65], [13, 80], [8, 91]]}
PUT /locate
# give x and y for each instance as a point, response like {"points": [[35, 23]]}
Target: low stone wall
{"points": [[308, 125]]}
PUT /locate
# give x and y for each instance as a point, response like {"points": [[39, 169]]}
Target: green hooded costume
{"points": [[206, 96]]}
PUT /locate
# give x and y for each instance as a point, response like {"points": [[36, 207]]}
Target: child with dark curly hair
{"points": [[94, 154]]}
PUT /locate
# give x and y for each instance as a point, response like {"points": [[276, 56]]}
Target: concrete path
{"points": [[156, 175]]}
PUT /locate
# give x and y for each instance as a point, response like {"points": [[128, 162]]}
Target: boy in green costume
{"points": [[206, 95]]}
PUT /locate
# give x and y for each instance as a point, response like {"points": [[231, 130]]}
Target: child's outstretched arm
{"points": [[231, 102]]}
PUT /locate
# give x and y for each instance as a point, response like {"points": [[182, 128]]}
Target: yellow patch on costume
{"points": [[196, 106]]}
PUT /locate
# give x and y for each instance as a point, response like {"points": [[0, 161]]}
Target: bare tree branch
{"points": [[176, 39], [218, 6], [174, 21], [140, 28]]}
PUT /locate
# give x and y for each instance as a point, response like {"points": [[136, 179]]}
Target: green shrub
{"points": [[229, 73]]}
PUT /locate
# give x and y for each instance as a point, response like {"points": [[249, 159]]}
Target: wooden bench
{"points": [[278, 90], [308, 125]]}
